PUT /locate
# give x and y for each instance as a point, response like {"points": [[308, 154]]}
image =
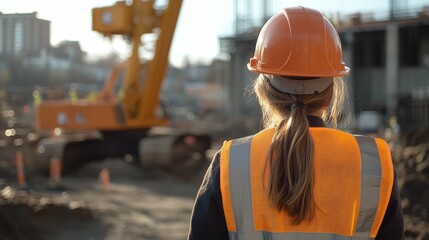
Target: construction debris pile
{"points": [[26, 215], [411, 159]]}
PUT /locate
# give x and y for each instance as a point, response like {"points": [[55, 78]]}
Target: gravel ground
{"points": [[134, 205], [148, 203]]}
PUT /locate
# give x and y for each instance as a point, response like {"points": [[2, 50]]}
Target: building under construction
{"points": [[390, 62], [388, 53]]}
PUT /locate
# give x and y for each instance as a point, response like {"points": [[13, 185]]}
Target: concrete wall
{"points": [[369, 88], [412, 77], [238, 98]]}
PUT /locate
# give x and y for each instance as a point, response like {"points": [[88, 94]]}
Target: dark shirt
{"points": [[208, 219]]}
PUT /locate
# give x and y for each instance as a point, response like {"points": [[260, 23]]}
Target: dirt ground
{"points": [[147, 203], [136, 204], [139, 203]]}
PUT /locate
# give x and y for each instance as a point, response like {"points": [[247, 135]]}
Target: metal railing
{"points": [[379, 16], [243, 24]]}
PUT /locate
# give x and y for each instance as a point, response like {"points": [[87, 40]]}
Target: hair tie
{"points": [[299, 104]]}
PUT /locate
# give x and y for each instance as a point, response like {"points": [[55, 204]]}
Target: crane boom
{"points": [[143, 77], [159, 63]]}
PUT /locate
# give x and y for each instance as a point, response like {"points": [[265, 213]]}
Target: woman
{"points": [[298, 179]]}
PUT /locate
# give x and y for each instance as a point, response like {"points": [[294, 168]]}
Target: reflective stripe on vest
{"points": [[239, 180]]}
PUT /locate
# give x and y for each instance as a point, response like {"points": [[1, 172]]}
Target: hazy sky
{"points": [[199, 24]]}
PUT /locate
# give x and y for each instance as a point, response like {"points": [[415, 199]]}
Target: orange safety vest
{"points": [[352, 187]]}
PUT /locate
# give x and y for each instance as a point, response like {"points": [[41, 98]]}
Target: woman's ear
{"points": [[326, 106]]}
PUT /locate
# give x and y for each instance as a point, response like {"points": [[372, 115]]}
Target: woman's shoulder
{"points": [[264, 134], [333, 131], [330, 135]]}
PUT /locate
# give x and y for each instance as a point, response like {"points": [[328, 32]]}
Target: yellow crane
{"points": [[122, 121]]}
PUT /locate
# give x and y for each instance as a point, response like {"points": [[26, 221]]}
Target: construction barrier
{"points": [[19, 162], [55, 172], [104, 177]]}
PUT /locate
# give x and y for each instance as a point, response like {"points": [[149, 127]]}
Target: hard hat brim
{"points": [[342, 73]]}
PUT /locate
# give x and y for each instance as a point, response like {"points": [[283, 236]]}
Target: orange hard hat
{"points": [[298, 41]]}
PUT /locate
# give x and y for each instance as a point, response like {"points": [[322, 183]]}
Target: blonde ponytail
{"points": [[290, 162]]}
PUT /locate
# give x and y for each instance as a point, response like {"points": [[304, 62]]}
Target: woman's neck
{"points": [[317, 113]]}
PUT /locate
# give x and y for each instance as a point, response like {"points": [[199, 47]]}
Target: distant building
{"points": [[388, 54], [23, 34], [70, 50], [66, 56]]}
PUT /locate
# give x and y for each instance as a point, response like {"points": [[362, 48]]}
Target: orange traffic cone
{"points": [[20, 169], [105, 180], [55, 172]]}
